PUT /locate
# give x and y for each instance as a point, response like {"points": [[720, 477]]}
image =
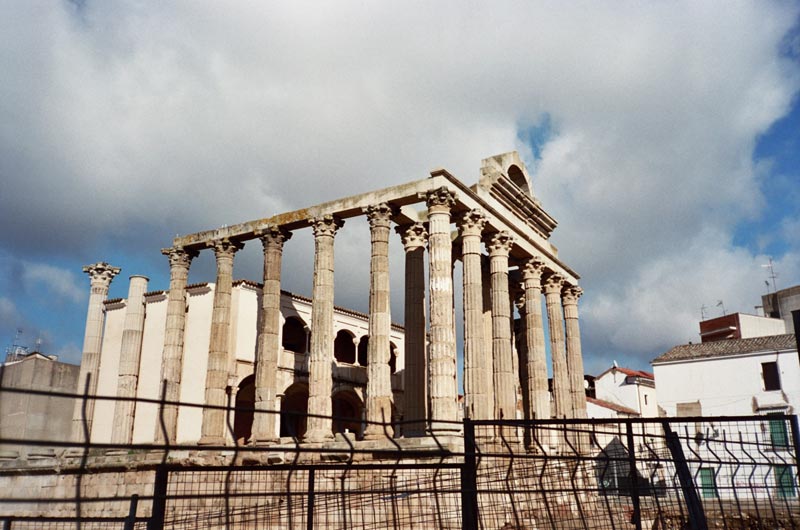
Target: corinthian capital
{"points": [[273, 236], [552, 284], [500, 243], [570, 294], [472, 222], [379, 215], [225, 248], [326, 225], [179, 257], [532, 270], [101, 273], [413, 236], [441, 198]]}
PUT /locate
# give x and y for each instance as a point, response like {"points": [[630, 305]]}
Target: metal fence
{"points": [[697, 473]]}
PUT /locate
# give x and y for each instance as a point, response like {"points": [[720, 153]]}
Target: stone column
{"points": [[569, 299], [505, 401], [478, 404], [486, 292], [100, 276], [130, 353], [379, 376], [538, 395], [213, 428], [320, 376], [552, 293], [415, 392], [172, 358], [267, 413], [442, 349]]}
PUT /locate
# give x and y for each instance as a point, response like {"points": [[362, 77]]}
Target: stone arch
{"points": [[344, 349], [243, 410], [518, 177], [295, 336], [362, 350], [347, 411], [294, 407]]}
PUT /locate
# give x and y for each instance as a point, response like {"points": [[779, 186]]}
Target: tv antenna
{"points": [[720, 304], [772, 276], [703, 312]]}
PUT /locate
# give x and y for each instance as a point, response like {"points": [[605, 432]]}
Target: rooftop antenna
{"points": [[703, 312], [720, 304], [772, 276]]}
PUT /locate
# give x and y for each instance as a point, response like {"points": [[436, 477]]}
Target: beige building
{"points": [[251, 344]]}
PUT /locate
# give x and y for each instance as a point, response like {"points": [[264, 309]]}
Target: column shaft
{"points": [[477, 361], [172, 357], [100, 275], [320, 378], [415, 391], [379, 377], [213, 428], [130, 353], [505, 400], [538, 399], [562, 401], [266, 417], [442, 349], [569, 299]]}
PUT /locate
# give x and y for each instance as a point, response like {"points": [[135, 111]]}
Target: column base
{"points": [[212, 440], [264, 442], [317, 436], [378, 432]]}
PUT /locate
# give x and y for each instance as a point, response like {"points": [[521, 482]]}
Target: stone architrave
{"points": [[499, 246], [414, 238], [538, 398], [320, 378], [213, 427], [100, 276], [561, 395], [442, 348], [569, 298], [266, 416], [478, 404], [379, 376], [129, 356], [172, 359]]}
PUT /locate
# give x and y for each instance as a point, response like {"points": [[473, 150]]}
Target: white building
{"points": [[349, 372], [741, 377], [633, 390]]}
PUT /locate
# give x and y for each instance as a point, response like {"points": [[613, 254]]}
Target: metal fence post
{"points": [[796, 443], [159, 508], [7, 523], [310, 512], [697, 517], [634, 476], [469, 480]]}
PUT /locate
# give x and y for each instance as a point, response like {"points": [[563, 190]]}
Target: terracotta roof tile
{"points": [[612, 406], [723, 348]]}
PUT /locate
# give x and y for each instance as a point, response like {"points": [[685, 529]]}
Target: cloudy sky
{"points": [[664, 137]]}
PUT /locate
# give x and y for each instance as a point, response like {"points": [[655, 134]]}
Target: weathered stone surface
{"points": [[552, 292], [100, 275], [505, 399], [213, 429]]}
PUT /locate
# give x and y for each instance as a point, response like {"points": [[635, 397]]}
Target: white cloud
{"points": [[134, 123], [57, 281]]}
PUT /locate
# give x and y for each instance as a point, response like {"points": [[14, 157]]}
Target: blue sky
{"points": [[663, 138]]}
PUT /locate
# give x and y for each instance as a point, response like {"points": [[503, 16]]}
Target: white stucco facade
{"points": [[245, 315]]}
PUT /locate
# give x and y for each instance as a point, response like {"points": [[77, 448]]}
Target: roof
{"points": [[629, 372], [612, 406], [724, 348]]}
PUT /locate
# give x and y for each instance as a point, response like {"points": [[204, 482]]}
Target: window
{"points": [[771, 376], [784, 481], [645, 399], [708, 483], [778, 433]]}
